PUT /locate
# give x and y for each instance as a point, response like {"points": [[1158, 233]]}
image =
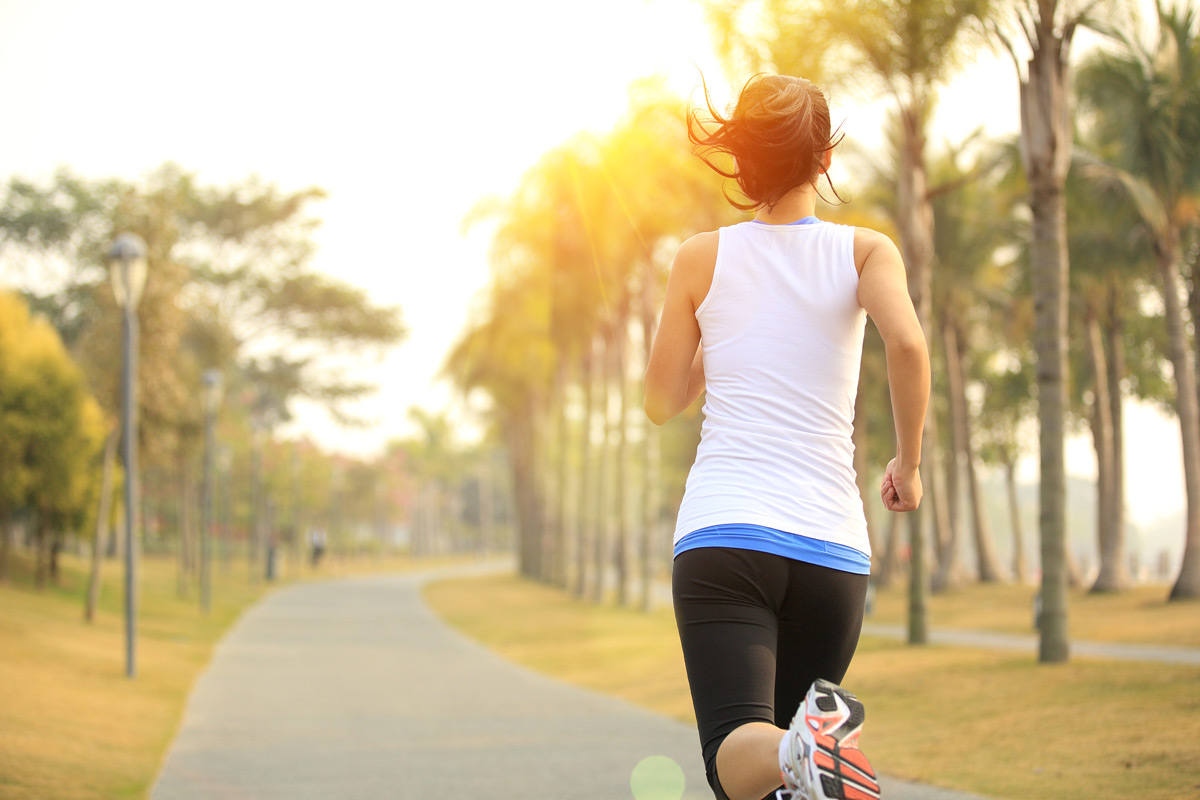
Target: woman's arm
{"points": [[675, 372], [883, 292]]}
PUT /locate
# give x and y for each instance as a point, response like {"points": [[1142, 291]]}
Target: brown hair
{"points": [[778, 134]]}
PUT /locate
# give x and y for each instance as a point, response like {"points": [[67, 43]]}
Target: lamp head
{"points": [[127, 267], [213, 387]]}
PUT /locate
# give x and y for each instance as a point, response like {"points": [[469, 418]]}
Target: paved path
{"points": [[1119, 651], [353, 689]]}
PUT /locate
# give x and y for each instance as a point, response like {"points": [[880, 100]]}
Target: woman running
{"points": [[771, 550]]}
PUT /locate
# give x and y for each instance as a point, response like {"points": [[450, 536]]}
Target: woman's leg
{"points": [[748, 761], [819, 624], [725, 608]]}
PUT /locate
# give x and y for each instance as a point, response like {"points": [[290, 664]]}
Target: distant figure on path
{"points": [[771, 551], [318, 546]]}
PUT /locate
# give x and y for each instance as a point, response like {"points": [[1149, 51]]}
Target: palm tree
{"points": [[508, 354], [1145, 100], [1107, 285], [1048, 30]]}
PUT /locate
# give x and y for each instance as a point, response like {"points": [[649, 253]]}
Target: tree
{"points": [[1045, 140], [229, 286], [51, 433], [1108, 282], [1145, 100]]}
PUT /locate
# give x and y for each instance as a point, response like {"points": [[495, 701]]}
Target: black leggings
{"points": [[757, 629]]}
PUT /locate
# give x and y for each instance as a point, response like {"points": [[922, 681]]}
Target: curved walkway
{"points": [[354, 689]]}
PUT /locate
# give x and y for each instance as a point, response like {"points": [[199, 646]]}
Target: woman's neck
{"points": [[797, 204]]}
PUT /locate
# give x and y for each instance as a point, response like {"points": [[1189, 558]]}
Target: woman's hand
{"points": [[901, 487]]}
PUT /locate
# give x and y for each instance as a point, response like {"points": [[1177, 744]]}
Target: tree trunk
{"points": [[487, 509], [1110, 539], [102, 519], [584, 524], [985, 546], [889, 564], [6, 541], [56, 545], [1046, 151], [1020, 568], [554, 453], [651, 454], [1188, 408], [862, 466], [949, 571], [41, 546], [566, 493], [1114, 331], [621, 477], [915, 223], [185, 526], [523, 449], [600, 537]]}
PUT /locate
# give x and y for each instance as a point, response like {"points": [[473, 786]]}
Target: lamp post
{"points": [[212, 401], [127, 267], [223, 483]]}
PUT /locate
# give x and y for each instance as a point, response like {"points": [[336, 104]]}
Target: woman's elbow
{"points": [[660, 403], [657, 411]]}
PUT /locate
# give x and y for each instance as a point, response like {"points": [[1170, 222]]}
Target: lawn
{"points": [[994, 723], [72, 726], [1141, 615]]}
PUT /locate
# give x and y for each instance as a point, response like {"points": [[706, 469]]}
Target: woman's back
{"points": [[781, 333]]}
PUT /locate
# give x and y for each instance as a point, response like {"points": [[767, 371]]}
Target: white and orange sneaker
{"points": [[819, 756]]}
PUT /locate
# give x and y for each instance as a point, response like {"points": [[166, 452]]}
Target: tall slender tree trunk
{"points": [[100, 543], [1020, 565], [584, 526], [915, 222], [987, 567], [6, 541], [603, 507], [563, 501], [487, 508], [859, 437], [1114, 333], [1112, 576], [949, 572], [1188, 408], [523, 450], [622, 555], [1046, 152], [184, 498], [41, 550], [554, 482], [651, 488], [890, 565]]}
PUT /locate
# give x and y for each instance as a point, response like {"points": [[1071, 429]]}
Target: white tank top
{"points": [[782, 335]]}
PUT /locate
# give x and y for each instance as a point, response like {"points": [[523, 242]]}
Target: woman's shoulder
{"points": [[698, 252], [867, 242], [700, 244]]}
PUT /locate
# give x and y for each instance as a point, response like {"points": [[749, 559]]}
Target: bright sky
{"points": [[406, 114]]}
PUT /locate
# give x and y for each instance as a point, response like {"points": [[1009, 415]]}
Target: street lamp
{"points": [[212, 401], [127, 267]]}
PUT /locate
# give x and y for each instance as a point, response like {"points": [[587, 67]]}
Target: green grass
{"points": [[1006, 727], [1140, 615], [72, 726]]}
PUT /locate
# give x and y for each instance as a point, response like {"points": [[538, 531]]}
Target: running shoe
{"points": [[823, 761]]}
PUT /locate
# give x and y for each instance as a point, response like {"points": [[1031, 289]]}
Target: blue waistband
{"points": [[781, 543]]}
